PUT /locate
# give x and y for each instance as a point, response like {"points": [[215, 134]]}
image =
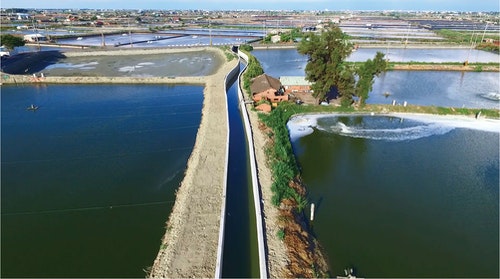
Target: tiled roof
{"points": [[264, 82]]}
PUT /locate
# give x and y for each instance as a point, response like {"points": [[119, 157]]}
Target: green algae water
{"points": [[397, 197], [88, 179]]}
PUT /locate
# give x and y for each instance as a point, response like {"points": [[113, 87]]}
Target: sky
{"points": [[331, 5]]}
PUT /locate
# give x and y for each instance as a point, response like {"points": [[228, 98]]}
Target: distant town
{"points": [[102, 21]]}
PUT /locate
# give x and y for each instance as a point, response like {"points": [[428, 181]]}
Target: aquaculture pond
{"points": [[403, 196], [88, 179]]}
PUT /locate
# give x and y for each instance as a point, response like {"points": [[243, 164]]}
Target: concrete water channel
{"points": [[241, 243]]}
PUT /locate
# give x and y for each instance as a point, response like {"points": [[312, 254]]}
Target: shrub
{"points": [[246, 48]]}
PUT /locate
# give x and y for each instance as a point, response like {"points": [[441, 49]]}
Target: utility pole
{"points": [[103, 42], [210, 31]]}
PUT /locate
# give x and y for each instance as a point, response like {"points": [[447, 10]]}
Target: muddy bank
{"points": [[443, 67], [30, 63], [298, 254], [196, 61], [38, 79]]}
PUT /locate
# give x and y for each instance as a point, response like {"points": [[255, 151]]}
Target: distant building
{"points": [[309, 29], [276, 39], [22, 16], [33, 38], [295, 84]]}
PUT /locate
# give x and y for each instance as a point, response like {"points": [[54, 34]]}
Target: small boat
{"points": [[79, 38], [32, 107]]}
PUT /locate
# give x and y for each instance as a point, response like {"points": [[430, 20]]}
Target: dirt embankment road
{"points": [[444, 67], [189, 247]]}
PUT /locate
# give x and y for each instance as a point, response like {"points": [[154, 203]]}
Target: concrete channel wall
{"points": [[255, 181], [220, 247]]}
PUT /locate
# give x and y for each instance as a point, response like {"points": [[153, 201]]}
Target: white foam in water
{"points": [[86, 64], [426, 126], [127, 69], [133, 68], [482, 124], [396, 134], [82, 66], [301, 125]]}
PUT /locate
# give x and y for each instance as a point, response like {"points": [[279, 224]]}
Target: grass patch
{"points": [[230, 55], [281, 234]]}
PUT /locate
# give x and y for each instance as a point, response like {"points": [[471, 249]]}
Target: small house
{"points": [[265, 87]]}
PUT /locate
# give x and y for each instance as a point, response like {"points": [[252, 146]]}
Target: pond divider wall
{"points": [[220, 247], [255, 182]]}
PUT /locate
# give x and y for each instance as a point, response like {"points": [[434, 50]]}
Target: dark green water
{"points": [[240, 258], [404, 199], [88, 179]]}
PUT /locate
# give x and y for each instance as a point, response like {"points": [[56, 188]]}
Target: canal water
{"points": [[88, 179], [240, 255], [397, 197]]}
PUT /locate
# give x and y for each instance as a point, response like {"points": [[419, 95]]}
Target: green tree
{"points": [[246, 47], [296, 33], [328, 70], [366, 73], [10, 41], [286, 37], [253, 70], [267, 39]]}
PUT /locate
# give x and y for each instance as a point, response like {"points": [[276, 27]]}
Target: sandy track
{"points": [[189, 247]]}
